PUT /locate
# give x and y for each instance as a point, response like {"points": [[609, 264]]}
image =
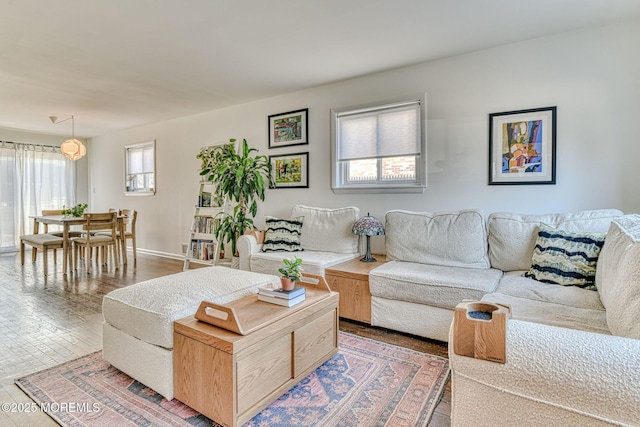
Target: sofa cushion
{"points": [[434, 285], [512, 236], [618, 276], [514, 284], [566, 258], [328, 230], [548, 313], [146, 310], [313, 262], [282, 235], [454, 239]]}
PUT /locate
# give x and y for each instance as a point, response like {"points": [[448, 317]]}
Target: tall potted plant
{"points": [[242, 178]]}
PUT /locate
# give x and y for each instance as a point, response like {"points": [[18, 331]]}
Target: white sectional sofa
{"points": [[326, 240], [573, 354], [439, 259]]}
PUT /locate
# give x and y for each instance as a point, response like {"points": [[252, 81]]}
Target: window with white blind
{"points": [[379, 148], [140, 169]]}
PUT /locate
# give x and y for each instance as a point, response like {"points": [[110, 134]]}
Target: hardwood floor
{"points": [[48, 321]]}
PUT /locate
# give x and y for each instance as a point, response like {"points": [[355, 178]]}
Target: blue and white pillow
{"points": [[282, 235], [566, 258]]}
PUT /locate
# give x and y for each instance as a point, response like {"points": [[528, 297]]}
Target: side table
{"points": [[351, 280]]}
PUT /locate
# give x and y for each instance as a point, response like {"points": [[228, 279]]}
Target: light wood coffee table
{"points": [[230, 377]]}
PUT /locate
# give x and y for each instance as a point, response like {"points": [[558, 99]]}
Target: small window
{"points": [[379, 149], [140, 169]]}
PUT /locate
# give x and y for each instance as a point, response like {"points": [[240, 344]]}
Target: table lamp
{"points": [[368, 226]]}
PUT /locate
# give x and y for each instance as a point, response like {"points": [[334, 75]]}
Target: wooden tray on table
{"points": [[248, 314]]}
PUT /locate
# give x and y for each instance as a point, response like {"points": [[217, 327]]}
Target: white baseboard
{"points": [[158, 253]]}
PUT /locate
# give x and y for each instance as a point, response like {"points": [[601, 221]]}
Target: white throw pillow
{"points": [[454, 239], [618, 276], [328, 230]]}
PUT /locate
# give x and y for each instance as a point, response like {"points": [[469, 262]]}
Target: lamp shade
{"points": [[368, 226], [73, 149]]}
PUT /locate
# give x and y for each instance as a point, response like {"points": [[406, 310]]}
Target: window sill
{"points": [[380, 190], [139, 193]]}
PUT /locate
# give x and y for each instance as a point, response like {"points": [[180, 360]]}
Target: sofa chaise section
{"points": [[572, 353], [138, 325], [554, 376]]}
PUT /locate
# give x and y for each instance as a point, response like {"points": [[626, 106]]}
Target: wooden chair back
{"points": [[48, 212], [100, 221]]}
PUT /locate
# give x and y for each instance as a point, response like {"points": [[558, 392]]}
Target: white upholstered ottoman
{"points": [[138, 320]]}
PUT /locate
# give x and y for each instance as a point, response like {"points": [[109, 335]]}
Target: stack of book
{"points": [[279, 296]]}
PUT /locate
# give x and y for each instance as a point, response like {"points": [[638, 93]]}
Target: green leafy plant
{"points": [[241, 177], [77, 210], [292, 269]]}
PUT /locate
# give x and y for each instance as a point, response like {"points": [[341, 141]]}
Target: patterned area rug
{"points": [[368, 383]]}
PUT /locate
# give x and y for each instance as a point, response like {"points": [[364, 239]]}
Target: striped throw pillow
{"points": [[282, 235], [566, 258]]}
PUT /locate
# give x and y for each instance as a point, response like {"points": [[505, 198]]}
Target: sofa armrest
{"points": [[552, 370], [247, 246]]}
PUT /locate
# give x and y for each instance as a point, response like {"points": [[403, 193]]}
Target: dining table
{"points": [[66, 221]]}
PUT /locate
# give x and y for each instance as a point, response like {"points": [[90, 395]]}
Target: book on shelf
{"points": [[202, 249], [282, 301], [205, 199], [272, 290], [205, 224]]}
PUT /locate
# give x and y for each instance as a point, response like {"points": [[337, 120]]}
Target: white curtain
{"points": [[32, 178]]}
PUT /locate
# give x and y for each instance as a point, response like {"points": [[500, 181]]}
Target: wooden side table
{"points": [[351, 280]]}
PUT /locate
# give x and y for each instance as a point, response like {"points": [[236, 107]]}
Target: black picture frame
{"points": [[287, 129], [290, 170], [522, 147]]}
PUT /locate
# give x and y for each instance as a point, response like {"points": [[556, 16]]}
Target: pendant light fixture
{"points": [[72, 149]]}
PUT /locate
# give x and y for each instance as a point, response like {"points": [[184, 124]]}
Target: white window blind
{"points": [[141, 159], [387, 131], [379, 148]]}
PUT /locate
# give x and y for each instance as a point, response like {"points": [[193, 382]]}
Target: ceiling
{"points": [[118, 64]]}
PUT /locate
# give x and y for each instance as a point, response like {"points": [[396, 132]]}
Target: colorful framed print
{"points": [[287, 129], [290, 170], [522, 147]]}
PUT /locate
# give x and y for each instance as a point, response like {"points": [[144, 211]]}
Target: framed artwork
{"points": [[287, 129], [290, 170], [522, 147]]}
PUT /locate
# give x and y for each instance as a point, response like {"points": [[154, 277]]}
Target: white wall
{"points": [[82, 171], [591, 76]]}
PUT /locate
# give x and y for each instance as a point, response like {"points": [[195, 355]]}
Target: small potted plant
{"points": [[291, 273]]}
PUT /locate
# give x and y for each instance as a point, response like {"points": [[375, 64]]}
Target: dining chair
{"points": [[55, 212], [129, 219], [108, 232], [95, 222], [42, 241]]}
